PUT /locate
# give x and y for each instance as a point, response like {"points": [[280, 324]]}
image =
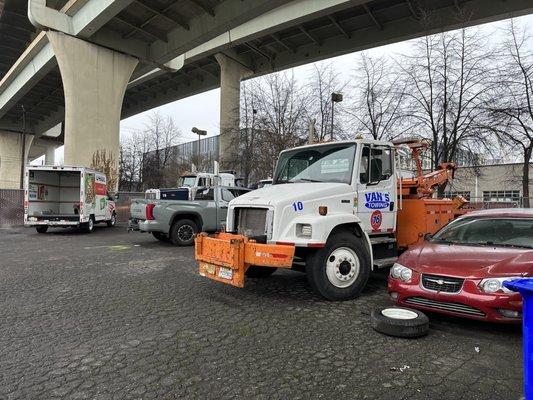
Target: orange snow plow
{"points": [[225, 257]]}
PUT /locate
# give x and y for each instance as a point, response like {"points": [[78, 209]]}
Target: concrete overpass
{"points": [[92, 62]]}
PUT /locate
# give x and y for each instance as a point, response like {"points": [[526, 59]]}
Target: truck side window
{"points": [[363, 167], [237, 192], [227, 195], [380, 164], [205, 194]]}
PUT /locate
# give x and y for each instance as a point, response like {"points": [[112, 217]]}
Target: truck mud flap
{"points": [[225, 257]]}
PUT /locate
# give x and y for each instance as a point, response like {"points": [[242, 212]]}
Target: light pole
{"points": [[335, 98], [200, 133]]}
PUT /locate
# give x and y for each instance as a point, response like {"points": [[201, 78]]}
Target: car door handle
{"points": [[224, 207]]}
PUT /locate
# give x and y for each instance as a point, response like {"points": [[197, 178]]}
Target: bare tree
{"points": [[446, 85], [323, 82], [377, 106], [511, 108]]}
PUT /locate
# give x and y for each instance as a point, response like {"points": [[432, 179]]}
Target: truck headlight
{"points": [[493, 285], [304, 230], [399, 271]]}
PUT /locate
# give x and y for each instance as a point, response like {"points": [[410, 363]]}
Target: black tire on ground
{"points": [[400, 322], [160, 236], [88, 227], [341, 269], [259, 272], [112, 221], [182, 232], [41, 229]]}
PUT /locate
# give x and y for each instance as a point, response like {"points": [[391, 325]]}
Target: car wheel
{"points": [[112, 221], [259, 272], [182, 232], [41, 229], [160, 236], [400, 322], [88, 227], [341, 269]]}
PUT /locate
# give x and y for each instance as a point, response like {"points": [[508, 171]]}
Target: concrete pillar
{"points": [[94, 82], [11, 158], [231, 74], [50, 155]]}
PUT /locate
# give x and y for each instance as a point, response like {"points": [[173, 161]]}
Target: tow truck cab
{"points": [[333, 206]]}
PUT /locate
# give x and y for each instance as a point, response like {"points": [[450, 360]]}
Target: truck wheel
{"points": [[341, 269], [182, 232], [88, 227], [41, 229], [400, 322], [259, 272], [160, 236], [112, 221]]}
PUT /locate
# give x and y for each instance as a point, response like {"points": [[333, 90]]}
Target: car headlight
{"points": [[493, 285], [399, 271], [304, 230]]}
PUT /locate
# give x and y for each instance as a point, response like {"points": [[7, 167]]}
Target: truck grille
{"points": [[445, 306], [251, 222], [442, 283]]}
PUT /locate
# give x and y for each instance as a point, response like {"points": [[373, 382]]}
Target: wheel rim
{"points": [[399, 313], [91, 224], [113, 219], [185, 233], [342, 267]]}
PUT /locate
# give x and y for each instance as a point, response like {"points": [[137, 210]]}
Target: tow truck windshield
{"points": [[327, 163]]}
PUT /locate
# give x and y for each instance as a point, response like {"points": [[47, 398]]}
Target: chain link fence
{"points": [[12, 206]]}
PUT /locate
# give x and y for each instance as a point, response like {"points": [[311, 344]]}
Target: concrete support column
{"points": [[50, 155], [11, 158], [231, 74], [94, 82]]}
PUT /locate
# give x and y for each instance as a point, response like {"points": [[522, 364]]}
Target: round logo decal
{"points": [[375, 220]]}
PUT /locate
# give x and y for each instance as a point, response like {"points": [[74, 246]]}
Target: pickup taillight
{"points": [[150, 211]]}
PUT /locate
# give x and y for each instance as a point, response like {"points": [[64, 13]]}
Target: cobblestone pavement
{"points": [[117, 315]]}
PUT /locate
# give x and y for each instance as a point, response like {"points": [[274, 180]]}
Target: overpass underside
{"points": [[189, 46]]}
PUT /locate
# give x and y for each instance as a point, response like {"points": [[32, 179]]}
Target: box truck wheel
{"points": [[113, 220], [182, 232], [41, 229], [341, 269], [88, 227]]}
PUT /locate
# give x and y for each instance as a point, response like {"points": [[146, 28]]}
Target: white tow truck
{"points": [[336, 210], [62, 196]]}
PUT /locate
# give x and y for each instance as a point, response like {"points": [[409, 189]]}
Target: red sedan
{"points": [[460, 270]]}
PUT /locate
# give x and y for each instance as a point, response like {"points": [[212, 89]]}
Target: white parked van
{"points": [[66, 197]]}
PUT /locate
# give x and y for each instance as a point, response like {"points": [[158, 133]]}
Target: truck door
{"points": [[376, 190], [225, 197]]}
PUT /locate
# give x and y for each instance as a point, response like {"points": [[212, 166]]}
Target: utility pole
{"points": [[335, 98], [23, 158], [312, 131]]}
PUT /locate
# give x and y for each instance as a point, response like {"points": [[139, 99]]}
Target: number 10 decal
{"points": [[298, 206]]}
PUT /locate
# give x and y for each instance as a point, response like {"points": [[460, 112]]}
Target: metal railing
{"points": [[12, 206]]}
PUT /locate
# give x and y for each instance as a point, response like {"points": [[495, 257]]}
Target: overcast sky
{"points": [[202, 110]]}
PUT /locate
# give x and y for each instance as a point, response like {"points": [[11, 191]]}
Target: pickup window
{"points": [[205, 194]]}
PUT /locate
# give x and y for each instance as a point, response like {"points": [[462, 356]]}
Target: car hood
{"points": [[468, 261], [282, 193]]}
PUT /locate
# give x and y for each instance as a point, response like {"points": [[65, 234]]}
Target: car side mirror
{"points": [[427, 237]]}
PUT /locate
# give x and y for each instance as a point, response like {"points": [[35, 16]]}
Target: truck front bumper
{"points": [[225, 257]]}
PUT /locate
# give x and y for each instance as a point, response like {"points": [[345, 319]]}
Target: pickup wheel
{"points": [[341, 269], [41, 229], [182, 232], [259, 272], [160, 236]]}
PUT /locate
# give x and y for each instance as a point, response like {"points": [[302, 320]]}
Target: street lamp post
{"points": [[200, 133], [335, 98]]}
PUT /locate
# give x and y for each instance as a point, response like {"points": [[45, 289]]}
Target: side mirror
{"points": [[116, 196], [427, 237]]}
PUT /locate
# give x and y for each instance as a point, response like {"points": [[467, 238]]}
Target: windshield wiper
{"points": [[304, 180]]}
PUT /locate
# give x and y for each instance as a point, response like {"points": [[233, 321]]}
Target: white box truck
{"points": [[61, 196]]}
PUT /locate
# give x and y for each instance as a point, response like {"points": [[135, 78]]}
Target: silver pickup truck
{"points": [[178, 221]]}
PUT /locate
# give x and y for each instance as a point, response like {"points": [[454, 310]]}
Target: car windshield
{"points": [[499, 232], [189, 181], [328, 163]]}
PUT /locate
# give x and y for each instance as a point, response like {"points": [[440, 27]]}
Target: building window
{"points": [[453, 194], [501, 195]]}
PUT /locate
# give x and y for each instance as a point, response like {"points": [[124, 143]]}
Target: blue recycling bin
{"points": [[525, 287]]}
